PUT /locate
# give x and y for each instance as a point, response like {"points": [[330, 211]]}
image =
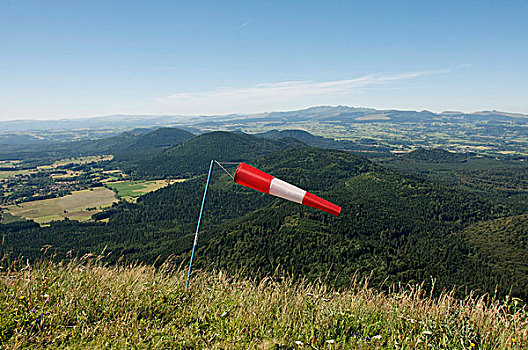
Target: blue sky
{"points": [[65, 59]]}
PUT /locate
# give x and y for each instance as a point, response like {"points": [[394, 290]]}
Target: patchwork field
{"points": [[80, 205]]}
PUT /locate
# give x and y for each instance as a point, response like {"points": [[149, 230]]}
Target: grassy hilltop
{"points": [[84, 304]]}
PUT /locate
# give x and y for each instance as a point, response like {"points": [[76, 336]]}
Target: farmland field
{"points": [[74, 206], [129, 190], [5, 174], [76, 160], [9, 163]]}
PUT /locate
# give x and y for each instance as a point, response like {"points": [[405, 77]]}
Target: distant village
{"points": [[25, 185]]}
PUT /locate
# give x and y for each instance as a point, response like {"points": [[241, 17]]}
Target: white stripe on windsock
{"points": [[285, 190], [251, 177]]}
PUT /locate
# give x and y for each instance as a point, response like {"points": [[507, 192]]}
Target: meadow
{"points": [[9, 163], [85, 304], [80, 205], [77, 161], [6, 174], [130, 190]]}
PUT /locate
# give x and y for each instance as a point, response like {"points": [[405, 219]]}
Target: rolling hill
{"points": [[501, 244], [437, 155], [322, 142], [136, 143], [190, 158], [151, 143], [108, 145], [398, 227]]}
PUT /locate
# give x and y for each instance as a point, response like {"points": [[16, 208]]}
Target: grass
{"points": [[76, 160], [8, 163], [69, 174], [72, 206], [129, 190], [5, 174], [84, 304], [7, 218]]}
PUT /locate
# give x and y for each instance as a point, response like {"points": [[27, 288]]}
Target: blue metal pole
{"points": [[199, 220]]}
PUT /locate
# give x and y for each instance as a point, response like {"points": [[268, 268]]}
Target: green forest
{"points": [[460, 223]]}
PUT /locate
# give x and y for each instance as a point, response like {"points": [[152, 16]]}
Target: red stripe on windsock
{"points": [[251, 177], [313, 201]]}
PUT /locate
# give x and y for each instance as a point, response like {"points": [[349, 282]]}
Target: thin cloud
{"points": [[268, 96]]}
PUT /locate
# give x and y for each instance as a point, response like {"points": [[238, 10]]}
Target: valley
{"points": [[27, 183], [72, 188], [271, 175], [405, 216]]}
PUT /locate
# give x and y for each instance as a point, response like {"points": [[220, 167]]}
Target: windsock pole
{"points": [[199, 221]]}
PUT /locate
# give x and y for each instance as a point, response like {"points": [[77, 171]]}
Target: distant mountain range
{"points": [[323, 114]]}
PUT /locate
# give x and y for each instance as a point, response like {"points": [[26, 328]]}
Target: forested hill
{"points": [[436, 155], [126, 145], [137, 143], [152, 143], [191, 157], [398, 227], [323, 142], [108, 145], [502, 245]]}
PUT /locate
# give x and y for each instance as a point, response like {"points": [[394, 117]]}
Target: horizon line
{"points": [[522, 114]]}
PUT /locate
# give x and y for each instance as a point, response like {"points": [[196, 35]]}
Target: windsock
{"points": [[251, 177]]}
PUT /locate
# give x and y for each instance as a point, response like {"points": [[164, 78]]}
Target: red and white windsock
{"points": [[251, 177]]}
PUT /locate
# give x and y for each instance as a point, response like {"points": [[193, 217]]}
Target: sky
{"points": [[69, 59]]}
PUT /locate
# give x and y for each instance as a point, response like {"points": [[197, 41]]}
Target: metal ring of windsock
{"points": [[251, 177]]}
